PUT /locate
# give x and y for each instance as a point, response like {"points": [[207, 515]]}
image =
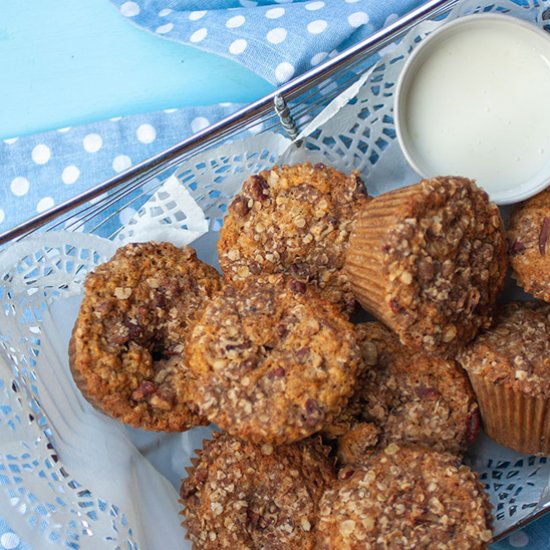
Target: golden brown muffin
{"points": [[127, 346], [405, 498], [429, 261], [509, 367], [529, 254], [271, 360], [240, 495], [405, 397], [296, 220]]}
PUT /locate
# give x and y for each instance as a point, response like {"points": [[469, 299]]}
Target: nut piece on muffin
{"points": [[405, 397], [509, 367], [271, 361], [241, 495], [126, 350], [529, 248], [429, 261], [295, 220], [405, 497]]}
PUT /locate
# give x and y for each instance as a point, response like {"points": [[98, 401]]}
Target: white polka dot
{"points": [[284, 71], [99, 198], [163, 29], [352, 1], [235, 22], [64, 130], [358, 18], [9, 141], [318, 57], [314, 6], [238, 46], [165, 12], [129, 9], [199, 35], [248, 3], [276, 36], [2, 215], [126, 215], [92, 143], [283, 1], [19, 186], [146, 133], [519, 539], [41, 154], [121, 163], [275, 13], [44, 204], [9, 541], [70, 174], [317, 27], [199, 123], [115, 119], [392, 18], [196, 15], [168, 111]]}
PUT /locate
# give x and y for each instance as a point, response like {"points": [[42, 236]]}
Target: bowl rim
{"points": [[522, 191]]}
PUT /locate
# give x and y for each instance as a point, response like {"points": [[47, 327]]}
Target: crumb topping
{"points": [[128, 341], [516, 350], [405, 498], [406, 397], [295, 220], [241, 495], [528, 245], [271, 361]]}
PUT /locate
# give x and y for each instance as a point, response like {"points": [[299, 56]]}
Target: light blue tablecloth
{"points": [[278, 39]]}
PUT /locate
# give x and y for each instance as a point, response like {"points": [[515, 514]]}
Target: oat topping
{"points": [[433, 258], [405, 497], [528, 237], [238, 496], [297, 220], [404, 396], [271, 361], [128, 342], [516, 351]]}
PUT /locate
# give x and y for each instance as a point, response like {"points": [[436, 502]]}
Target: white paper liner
{"points": [[104, 485]]}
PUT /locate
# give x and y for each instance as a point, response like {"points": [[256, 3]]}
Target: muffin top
{"points": [[128, 341], [405, 497], [271, 361], [529, 249], [516, 350], [410, 397], [442, 258], [296, 220], [241, 495]]}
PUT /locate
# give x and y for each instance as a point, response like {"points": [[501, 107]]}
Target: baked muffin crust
{"points": [[405, 497], [128, 341], [429, 261], [529, 249], [241, 495], [295, 220], [271, 361]]}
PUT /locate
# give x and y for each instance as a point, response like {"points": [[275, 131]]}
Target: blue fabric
{"points": [[275, 39], [278, 39]]}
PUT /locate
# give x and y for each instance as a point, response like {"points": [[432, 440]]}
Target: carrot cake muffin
{"points": [[240, 495], [405, 498], [404, 396], [126, 350], [429, 261], [528, 245], [509, 367], [297, 220], [271, 361]]}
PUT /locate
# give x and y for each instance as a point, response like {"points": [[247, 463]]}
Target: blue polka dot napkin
{"points": [[277, 39]]}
